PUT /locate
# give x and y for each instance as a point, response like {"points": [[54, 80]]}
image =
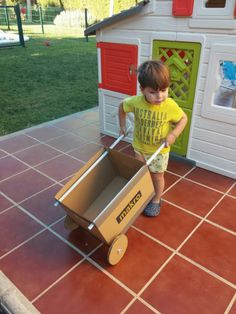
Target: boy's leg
{"points": [[153, 208], [157, 170], [159, 185]]}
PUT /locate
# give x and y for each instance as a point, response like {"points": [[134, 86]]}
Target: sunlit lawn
{"points": [[42, 82]]}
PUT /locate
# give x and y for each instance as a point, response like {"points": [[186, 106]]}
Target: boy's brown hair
{"points": [[154, 74]]}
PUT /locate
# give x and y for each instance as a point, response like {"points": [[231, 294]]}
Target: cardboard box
{"points": [[110, 196]]}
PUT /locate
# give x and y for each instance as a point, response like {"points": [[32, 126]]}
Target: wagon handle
{"points": [[90, 169], [90, 227], [148, 162]]}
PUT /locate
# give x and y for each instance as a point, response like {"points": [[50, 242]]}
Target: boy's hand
{"points": [[170, 139], [122, 130], [179, 127]]}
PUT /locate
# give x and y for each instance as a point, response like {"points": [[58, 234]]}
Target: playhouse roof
{"points": [[91, 30]]}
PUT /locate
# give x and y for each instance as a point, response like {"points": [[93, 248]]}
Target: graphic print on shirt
{"points": [[149, 125]]}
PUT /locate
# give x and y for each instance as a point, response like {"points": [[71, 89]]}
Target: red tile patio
{"points": [[182, 262]]}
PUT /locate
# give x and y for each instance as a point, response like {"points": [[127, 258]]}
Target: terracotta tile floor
{"points": [[183, 261]]}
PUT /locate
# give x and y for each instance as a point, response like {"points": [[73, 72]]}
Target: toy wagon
{"points": [[106, 196]]}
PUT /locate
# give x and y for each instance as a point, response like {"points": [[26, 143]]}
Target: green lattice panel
{"points": [[182, 59], [179, 88]]}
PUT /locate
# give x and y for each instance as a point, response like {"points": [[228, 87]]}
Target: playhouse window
{"points": [[219, 101], [222, 9], [215, 3], [225, 94]]}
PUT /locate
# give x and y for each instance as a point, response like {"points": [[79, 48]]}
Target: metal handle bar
{"points": [[155, 154], [90, 227], [89, 169]]}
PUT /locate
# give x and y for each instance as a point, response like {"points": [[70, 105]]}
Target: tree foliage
{"points": [[99, 9]]}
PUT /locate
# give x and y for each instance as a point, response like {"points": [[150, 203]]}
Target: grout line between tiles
{"points": [[32, 237], [154, 239], [103, 270], [15, 174], [234, 184], [128, 305], [178, 180], [142, 301], [46, 143], [43, 190], [42, 173], [200, 217], [85, 257], [87, 124], [196, 182], [206, 270], [176, 252], [183, 209], [171, 186], [108, 274], [232, 196], [65, 274], [48, 228], [52, 123], [56, 222], [148, 305], [29, 168], [23, 149], [43, 162], [77, 159], [74, 149], [73, 133], [203, 185], [22, 243], [58, 280], [59, 150], [6, 209], [156, 274], [231, 303], [67, 153], [27, 198], [91, 141], [220, 227], [176, 174]]}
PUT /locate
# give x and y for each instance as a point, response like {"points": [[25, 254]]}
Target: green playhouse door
{"points": [[182, 59]]}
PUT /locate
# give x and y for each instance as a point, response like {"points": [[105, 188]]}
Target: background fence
{"points": [[51, 18]]}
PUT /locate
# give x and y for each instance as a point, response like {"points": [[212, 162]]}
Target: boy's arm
{"points": [[179, 127], [122, 119]]}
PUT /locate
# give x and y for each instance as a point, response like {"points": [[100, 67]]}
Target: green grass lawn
{"points": [[40, 83]]}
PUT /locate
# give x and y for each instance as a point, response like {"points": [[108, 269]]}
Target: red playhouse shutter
{"points": [[235, 10], [182, 7], [118, 64]]}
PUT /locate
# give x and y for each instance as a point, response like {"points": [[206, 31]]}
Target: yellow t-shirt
{"points": [[152, 123]]}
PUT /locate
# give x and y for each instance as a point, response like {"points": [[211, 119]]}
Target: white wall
{"points": [[212, 141]]}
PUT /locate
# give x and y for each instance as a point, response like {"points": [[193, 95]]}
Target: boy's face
{"points": [[154, 97]]}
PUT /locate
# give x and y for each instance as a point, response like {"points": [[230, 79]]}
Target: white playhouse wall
{"points": [[212, 142]]}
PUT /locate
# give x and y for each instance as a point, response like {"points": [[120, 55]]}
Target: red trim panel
{"points": [[118, 67], [182, 7]]}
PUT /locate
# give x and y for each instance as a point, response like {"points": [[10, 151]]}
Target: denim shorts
{"points": [[159, 164]]}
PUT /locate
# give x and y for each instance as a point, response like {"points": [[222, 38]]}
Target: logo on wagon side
{"points": [[128, 207]]}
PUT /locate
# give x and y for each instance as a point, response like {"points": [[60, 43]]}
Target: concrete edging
{"points": [[12, 299]]}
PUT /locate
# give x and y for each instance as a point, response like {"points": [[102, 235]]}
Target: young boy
{"points": [[157, 118]]}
